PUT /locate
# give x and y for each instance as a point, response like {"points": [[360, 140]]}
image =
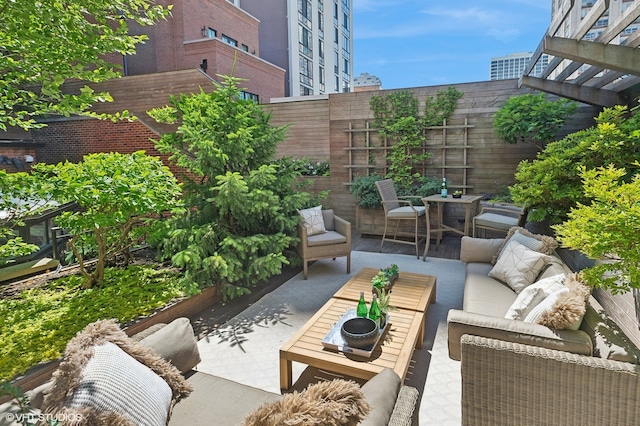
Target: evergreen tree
{"points": [[241, 204]]}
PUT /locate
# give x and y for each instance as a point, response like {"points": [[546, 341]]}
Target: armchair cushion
{"points": [[328, 238], [406, 212], [494, 220], [313, 220], [329, 223]]}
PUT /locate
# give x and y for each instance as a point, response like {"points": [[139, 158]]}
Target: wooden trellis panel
{"points": [[448, 144]]}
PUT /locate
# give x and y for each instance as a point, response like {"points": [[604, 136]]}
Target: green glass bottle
{"points": [[374, 310], [361, 311]]}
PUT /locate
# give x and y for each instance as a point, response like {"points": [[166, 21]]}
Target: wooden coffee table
{"points": [[410, 291], [411, 294]]}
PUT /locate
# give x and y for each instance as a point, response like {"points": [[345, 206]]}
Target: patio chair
{"points": [[335, 242], [500, 218], [399, 209]]}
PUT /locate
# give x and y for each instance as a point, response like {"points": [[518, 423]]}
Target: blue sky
{"points": [[413, 43]]}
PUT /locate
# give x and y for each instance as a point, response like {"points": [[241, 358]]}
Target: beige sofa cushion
{"points": [[531, 296], [485, 295], [478, 249], [381, 392], [518, 266], [176, 343], [536, 242]]}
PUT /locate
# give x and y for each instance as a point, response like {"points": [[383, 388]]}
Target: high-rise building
{"points": [[366, 81], [572, 25], [311, 39], [513, 65]]}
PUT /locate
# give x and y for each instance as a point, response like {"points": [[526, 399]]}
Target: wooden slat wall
{"points": [[141, 93], [493, 162], [308, 131]]}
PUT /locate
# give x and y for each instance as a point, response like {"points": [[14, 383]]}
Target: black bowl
{"points": [[359, 332]]}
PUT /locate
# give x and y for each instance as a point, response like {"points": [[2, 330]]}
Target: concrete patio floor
{"points": [[246, 347]]}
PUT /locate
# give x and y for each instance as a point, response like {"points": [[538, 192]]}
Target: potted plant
{"points": [[384, 278], [457, 194], [384, 299], [380, 281]]}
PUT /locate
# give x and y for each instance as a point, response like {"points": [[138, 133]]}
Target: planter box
{"points": [[41, 373]]}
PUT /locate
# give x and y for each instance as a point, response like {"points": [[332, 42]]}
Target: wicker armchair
{"points": [[336, 242], [399, 209]]}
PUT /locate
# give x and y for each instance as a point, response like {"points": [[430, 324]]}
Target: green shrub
{"points": [[607, 228], [532, 118], [119, 195], [242, 205], [36, 325], [551, 184]]}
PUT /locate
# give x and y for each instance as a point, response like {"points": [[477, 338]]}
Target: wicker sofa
{"points": [[514, 372], [215, 400]]}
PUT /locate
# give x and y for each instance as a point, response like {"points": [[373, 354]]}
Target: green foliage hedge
{"points": [[551, 184], [36, 325]]}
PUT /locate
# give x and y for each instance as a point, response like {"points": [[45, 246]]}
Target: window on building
{"points": [[320, 24], [346, 46], [245, 47], [335, 36], [345, 24], [335, 13], [304, 12], [320, 5], [345, 5], [305, 41], [211, 33], [321, 79], [321, 51], [306, 71], [250, 96], [336, 87], [229, 40], [346, 69], [305, 91], [336, 63]]}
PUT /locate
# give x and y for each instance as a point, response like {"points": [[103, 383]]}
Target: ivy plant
{"points": [[551, 184], [607, 228], [532, 118], [119, 195], [398, 120], [241, 204]]}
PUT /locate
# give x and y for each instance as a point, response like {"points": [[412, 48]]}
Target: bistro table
{"points": [[469, 201]]}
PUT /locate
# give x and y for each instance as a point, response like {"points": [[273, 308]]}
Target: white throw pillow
{"points": [[532, 295], [313, 220], [545, 305], [518, 266]]}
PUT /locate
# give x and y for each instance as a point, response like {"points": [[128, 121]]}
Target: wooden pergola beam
{"points": [[588, 95], [619, 58]]}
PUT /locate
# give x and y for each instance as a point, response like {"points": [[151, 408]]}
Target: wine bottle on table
{"points": [[362, 310], [443, 188], [374, 310]]}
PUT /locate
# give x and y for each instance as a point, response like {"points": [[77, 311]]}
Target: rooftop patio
{"points": [[245, 348]]}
